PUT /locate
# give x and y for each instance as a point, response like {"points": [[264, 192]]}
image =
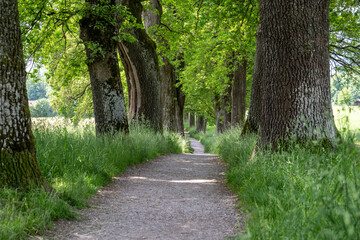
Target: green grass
{"points": [[348, 118], [206, 139], [22, 214], [76, 164], [302, 193]]}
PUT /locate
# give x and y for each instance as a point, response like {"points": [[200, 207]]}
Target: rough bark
{"points": [[142, 71], [238, 94], [171, 108], [252, 122], [192, 120], [19, 167], [108, 98], [296, 96]]}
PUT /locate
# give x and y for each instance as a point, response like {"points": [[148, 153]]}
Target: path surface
{"points": [[172, 197]]}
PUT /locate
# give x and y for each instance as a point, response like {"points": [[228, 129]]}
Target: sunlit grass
{"points": [[76, 163], [348, 118], [22, 214], [301, 193]]}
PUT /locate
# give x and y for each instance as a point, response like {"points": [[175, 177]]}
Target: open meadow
{"points": [[348, 118]]}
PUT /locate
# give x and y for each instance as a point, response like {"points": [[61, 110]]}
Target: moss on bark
{"points": [[20, 170]]}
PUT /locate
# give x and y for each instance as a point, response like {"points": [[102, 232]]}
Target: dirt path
{"points": [[172, 197]]}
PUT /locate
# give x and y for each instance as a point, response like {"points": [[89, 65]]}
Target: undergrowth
{"points": [[301, 193], [76, 163]]}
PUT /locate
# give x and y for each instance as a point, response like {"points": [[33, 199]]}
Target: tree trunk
{"points": [[180, 98], [238, 94], [108, 98], [186, 116], [19, 165], [219, 114], [169, 94], [296, 96], [222, 109], [192, 120], [204, 126], [252, 122], [226, 103], [142, 71], [201, 124]]}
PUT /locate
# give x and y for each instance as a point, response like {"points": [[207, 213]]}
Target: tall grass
{"points": [[76, 163], [301, 193]]}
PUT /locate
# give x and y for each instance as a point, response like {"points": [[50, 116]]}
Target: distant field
{"points": [[348, 117]]}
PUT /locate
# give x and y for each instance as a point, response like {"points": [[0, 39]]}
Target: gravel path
{"points": [[172, 197]]}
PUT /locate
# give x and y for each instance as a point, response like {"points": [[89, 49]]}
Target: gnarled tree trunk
{"points": [[19, 167], [142, 71], [171, 107], [296, 74], [108, 98]]}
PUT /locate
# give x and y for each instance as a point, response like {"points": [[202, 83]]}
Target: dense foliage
{"points": [[204, 40]]}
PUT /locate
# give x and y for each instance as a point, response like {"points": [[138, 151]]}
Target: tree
{"points": [[141, 65], [201, 124], [345, 35], [19, 165], [209, 33], [222, 109], [295, 74], [42, 108], [192, 120], [37, 90], [238, 94], [252, 122], [171, 96], [99, 32]]}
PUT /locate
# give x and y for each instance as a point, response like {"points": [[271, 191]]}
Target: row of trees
{"points": [[99, 25], [204, 50]]}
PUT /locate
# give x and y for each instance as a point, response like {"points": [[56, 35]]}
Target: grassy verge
{"points": [[76, 164], [304, 193], [206, 139]]}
